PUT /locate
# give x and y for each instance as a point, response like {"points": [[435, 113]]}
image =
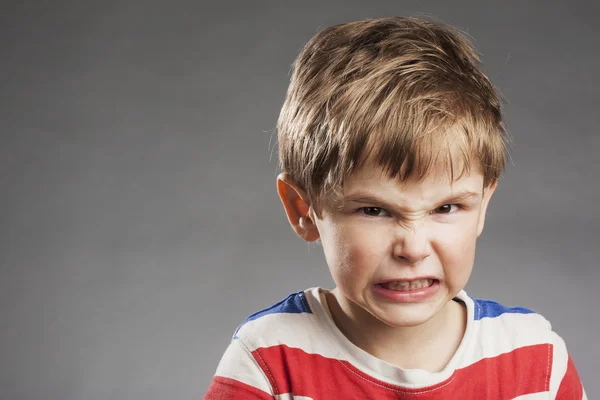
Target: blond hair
{"points": [[399, 92]]}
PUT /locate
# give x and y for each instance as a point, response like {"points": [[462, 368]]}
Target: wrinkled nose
{"points": [[412, 246]]}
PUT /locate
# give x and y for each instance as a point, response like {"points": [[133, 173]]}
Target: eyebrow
{"points": [[365, 197]]}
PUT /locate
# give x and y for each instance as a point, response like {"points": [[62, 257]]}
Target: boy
{"points": [[391, 143]]}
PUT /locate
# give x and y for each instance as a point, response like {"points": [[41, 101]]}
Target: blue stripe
{"points": [[492, 309], [295, 303]]}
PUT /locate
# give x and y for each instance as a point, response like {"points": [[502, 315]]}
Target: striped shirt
{"points": [[293, 350]]}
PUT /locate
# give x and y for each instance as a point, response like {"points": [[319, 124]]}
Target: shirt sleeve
{"points": [[565, 383], [239, 376]]}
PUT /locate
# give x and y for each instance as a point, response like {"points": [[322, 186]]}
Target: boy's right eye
{"points": [[374, 211]]}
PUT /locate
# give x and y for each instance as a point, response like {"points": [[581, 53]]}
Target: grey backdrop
{"points": [[139, 219]]}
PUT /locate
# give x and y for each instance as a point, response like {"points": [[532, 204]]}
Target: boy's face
{"points": [[388, 234]]}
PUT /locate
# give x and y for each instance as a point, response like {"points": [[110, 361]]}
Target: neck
{"points": [[428, 346]]}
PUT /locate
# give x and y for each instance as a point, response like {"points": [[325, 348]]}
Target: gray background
{"points": [[139, 219]]}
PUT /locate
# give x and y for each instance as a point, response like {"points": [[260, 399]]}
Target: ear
{"points": [[296, 207], [487, 195]]}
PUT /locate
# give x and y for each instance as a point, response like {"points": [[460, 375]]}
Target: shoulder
{"points": [[287, 322], [509, 333], [247, 368], [288, 338], [485, 308], [492, 316], [293, 304], [503, 335], [525, 340]]}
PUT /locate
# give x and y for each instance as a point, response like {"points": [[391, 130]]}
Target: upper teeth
{"points": [[408, 285]]}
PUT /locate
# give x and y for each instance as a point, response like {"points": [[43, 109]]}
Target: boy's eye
{"points": [[373, 211], [382, 212], [446, 209]]}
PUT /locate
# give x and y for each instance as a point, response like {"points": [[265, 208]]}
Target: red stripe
{"points": [[226, 389], [291, 370], [525, 370], [570, 387]]}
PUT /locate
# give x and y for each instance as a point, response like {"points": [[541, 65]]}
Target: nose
{"points": [[412, 246]]}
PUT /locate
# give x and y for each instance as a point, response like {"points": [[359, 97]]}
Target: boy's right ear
{"points": [[296, 207]]}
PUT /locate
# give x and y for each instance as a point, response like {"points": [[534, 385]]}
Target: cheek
{"points": [[352, 254], [456, 251]]}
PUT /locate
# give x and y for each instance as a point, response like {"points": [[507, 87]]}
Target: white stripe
{"points": [[294, 330], [290, 396], [237, 363], [533, 396], [492, 336], [505, 333], [560, 360]]}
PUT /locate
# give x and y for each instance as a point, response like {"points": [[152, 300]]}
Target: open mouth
{"points": [[407, 286]]}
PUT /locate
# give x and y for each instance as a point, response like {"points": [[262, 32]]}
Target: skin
{"points": [[387, 230]]}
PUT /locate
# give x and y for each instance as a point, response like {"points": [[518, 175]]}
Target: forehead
{"points": [[438, 182]]}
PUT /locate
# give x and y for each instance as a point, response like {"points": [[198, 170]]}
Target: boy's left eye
{"points": [[446, 209]]}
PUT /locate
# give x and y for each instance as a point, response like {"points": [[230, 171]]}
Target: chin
{"points": [[405, 321], [406, 316]]}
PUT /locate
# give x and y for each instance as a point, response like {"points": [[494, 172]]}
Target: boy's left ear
{"points": [[487, 195]]}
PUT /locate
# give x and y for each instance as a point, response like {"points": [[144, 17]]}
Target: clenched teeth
{"points": [[401, 286]]}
